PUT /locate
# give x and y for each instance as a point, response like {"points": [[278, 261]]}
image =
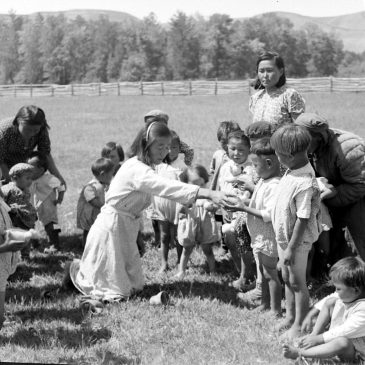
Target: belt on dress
{"points": [[110, 209]]}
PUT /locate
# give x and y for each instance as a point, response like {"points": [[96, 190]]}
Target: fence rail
{"points": [[199, 87]]}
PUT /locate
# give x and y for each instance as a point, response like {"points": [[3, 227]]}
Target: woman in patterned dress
{"points": [[274, 102], [19, 136]]}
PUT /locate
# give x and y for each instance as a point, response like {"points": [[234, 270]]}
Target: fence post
{"points": [[99, 89], [249, 87], [72, 89], [52, 90], [190, 88], [331, 83], [141, 87], [118, 87], [31, 90], [162, 89], [216, 87], [14, 91]]}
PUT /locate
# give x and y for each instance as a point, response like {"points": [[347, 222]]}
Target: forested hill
{"points": [[350, 28]]}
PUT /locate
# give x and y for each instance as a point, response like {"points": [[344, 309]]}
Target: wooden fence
{"points": [[199, 87]]}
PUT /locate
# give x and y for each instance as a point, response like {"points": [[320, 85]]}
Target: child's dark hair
{"points": [[38, 159], [174, 138], [279, 62], [291, 139], [262, 147], [349, 271], [199, 169], [260, 129], [145, 138], [111, 146], [102, 165], [239, 135], [225, 128]]}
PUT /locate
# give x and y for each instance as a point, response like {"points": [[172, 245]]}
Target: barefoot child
{"points": [[259, 222], [236, 236], [345, 313], [162, 210], [196, 223], [296, 220]]}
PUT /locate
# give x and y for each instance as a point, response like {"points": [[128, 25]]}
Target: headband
{"points": [[149, 131]]}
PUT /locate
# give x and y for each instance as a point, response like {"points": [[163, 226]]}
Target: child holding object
{"points": [[234, 229], [259, 223], [92, 196], [196, 223], [296, 220], [345, 315], [47, 192]]}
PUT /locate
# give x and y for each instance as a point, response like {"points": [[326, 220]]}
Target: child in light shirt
{"points": [[345, 315], [259, 223], [296, 220], [46, 193]]}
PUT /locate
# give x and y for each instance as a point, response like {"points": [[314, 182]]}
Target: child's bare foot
{"points": [[242, 285], [180, 275], [163, 269], [261, 308], [293, 333], [284, 325], [290, 352]]}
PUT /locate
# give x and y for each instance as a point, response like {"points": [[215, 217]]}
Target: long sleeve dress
{"points": [[110, 267]]}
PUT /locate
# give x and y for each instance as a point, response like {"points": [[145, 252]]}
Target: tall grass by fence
{"points": [[199, 87]]}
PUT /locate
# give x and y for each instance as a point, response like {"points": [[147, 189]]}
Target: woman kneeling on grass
{"points": [[110, 267]]}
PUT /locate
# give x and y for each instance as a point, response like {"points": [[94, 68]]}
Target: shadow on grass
{"points": [[60, 336], [204, 290]]}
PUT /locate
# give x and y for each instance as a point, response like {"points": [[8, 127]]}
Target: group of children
{"points": [[276, 218]]}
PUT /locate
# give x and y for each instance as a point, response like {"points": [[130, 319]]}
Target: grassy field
{"points": [[204, 323]]}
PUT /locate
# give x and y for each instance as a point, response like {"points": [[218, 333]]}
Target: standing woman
{"points": [[274, 102], [110, 267], [19, 136]]}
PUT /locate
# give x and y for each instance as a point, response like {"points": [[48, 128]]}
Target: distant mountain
{"points": [[88, 14], [350, 28]]}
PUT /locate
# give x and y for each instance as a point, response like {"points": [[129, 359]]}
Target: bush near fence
{"points": [[198, 87]]}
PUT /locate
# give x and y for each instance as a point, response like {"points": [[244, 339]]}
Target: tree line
{"points": [[54, 49]]}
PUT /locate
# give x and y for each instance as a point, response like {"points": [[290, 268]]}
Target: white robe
{"points": [[110, 267]]}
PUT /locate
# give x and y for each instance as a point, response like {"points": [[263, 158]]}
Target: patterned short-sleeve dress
{"points": [[280, 106]]}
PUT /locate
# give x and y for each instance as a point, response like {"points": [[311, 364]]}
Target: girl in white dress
{"points": [[110, 267]]}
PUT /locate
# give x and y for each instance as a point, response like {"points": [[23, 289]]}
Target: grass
{"points": [[204, 323]]}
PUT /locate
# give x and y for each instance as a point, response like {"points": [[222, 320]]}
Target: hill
{"points": [[350, 27]]}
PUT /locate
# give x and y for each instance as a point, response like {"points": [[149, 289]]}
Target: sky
{"points": [[165, 9]]}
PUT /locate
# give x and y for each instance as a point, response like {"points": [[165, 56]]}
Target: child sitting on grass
{"points": [[196, 223], [259, 223], [92, 196], [344, 314], [296, 220], [47, 192]]}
